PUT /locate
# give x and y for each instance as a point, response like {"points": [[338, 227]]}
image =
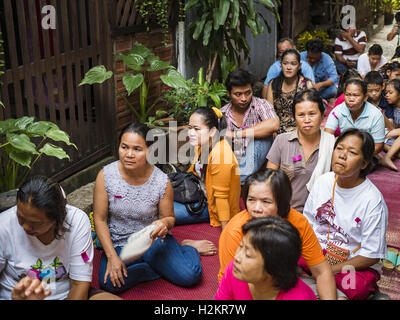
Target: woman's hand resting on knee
{"points": [[116, 269]]}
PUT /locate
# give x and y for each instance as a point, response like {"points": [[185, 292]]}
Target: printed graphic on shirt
{"points": [[53, 272], [325, 217]]}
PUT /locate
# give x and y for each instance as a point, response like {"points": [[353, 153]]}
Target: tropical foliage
{"points": [[199, 93], [143, 63], [306, 36], [218, 30], [23, 142]]}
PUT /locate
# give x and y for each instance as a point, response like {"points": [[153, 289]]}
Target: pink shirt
{"points": [[231, 288]]}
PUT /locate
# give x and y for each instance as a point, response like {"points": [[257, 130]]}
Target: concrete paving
{"points": [[388, 47]]}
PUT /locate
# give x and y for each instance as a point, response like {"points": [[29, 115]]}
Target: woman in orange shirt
{"points": [[216, 166], [268, 193]]}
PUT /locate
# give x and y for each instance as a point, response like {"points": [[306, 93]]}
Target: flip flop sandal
{"points": [[397, 266], [392, 259]]}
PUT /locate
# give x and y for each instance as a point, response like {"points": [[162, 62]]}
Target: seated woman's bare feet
{"points": [[386, 162], [204, 247]]}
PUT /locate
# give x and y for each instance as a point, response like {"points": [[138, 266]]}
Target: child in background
{"points": [[376, 96], [391, 70], [392, 144]]}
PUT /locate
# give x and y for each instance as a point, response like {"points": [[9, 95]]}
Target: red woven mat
{"points": [[161, 289], [388, 182]]}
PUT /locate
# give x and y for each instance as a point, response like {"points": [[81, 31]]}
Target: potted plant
{"points": [[143, 64], [388, 11], [23, 142], [306, 36], [199, 93], [182, 102]]}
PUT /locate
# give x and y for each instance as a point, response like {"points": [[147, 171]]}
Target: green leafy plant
{"points": [[156, 12], [306, 36], [199, 93], [396, 5], [23, 142], [388, 5], [219, 29], [144, 62]]}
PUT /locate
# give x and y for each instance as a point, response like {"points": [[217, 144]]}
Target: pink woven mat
{"points": [[161, 289], [388, 182]]}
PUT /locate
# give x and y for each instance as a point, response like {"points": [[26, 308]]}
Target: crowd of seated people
{"points": [[308, 203]]}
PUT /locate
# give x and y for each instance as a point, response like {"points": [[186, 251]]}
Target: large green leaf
{"points": [[253, 27], [216, 99], [132, 60], [259, 25], [139, 49], [22, 123], [7, 125], [40, 128], [21, 142], [54, 151], [174, 80], [235, 13], [97, 74], [215, 14], [190, 4], [59, 135], [267, 3], [157, 65], [252, 12], [22, 158], [207, 32], [132, 82], [199, 27], [223, 11]]}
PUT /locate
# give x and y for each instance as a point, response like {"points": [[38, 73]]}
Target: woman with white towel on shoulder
{"points": [[305, 153]]}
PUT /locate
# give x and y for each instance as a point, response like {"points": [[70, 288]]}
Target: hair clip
{"points": [[217, 112], [298, 158]]}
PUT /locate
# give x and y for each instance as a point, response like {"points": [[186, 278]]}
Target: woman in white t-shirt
{"points": [[349, 216], [46, 243]]}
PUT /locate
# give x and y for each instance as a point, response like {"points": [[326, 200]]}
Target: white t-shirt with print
{"points": [[70, 257], [360, 217]]}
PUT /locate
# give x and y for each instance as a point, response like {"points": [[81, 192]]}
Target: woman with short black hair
{"points": [[304, 153], [267, 193], [257, 271]]}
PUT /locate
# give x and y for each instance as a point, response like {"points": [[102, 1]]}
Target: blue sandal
{"points": [[392, 261]]}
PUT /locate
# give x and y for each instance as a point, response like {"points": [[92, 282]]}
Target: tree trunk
{"points": [[210, 69]]}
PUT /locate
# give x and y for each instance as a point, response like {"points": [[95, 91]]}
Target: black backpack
{"points": [[188, 191]]}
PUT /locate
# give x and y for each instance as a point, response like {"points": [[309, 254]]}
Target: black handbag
{"points": [[188, 191]]}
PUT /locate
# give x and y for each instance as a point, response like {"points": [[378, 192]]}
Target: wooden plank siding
{"points": [[43, 70]]}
